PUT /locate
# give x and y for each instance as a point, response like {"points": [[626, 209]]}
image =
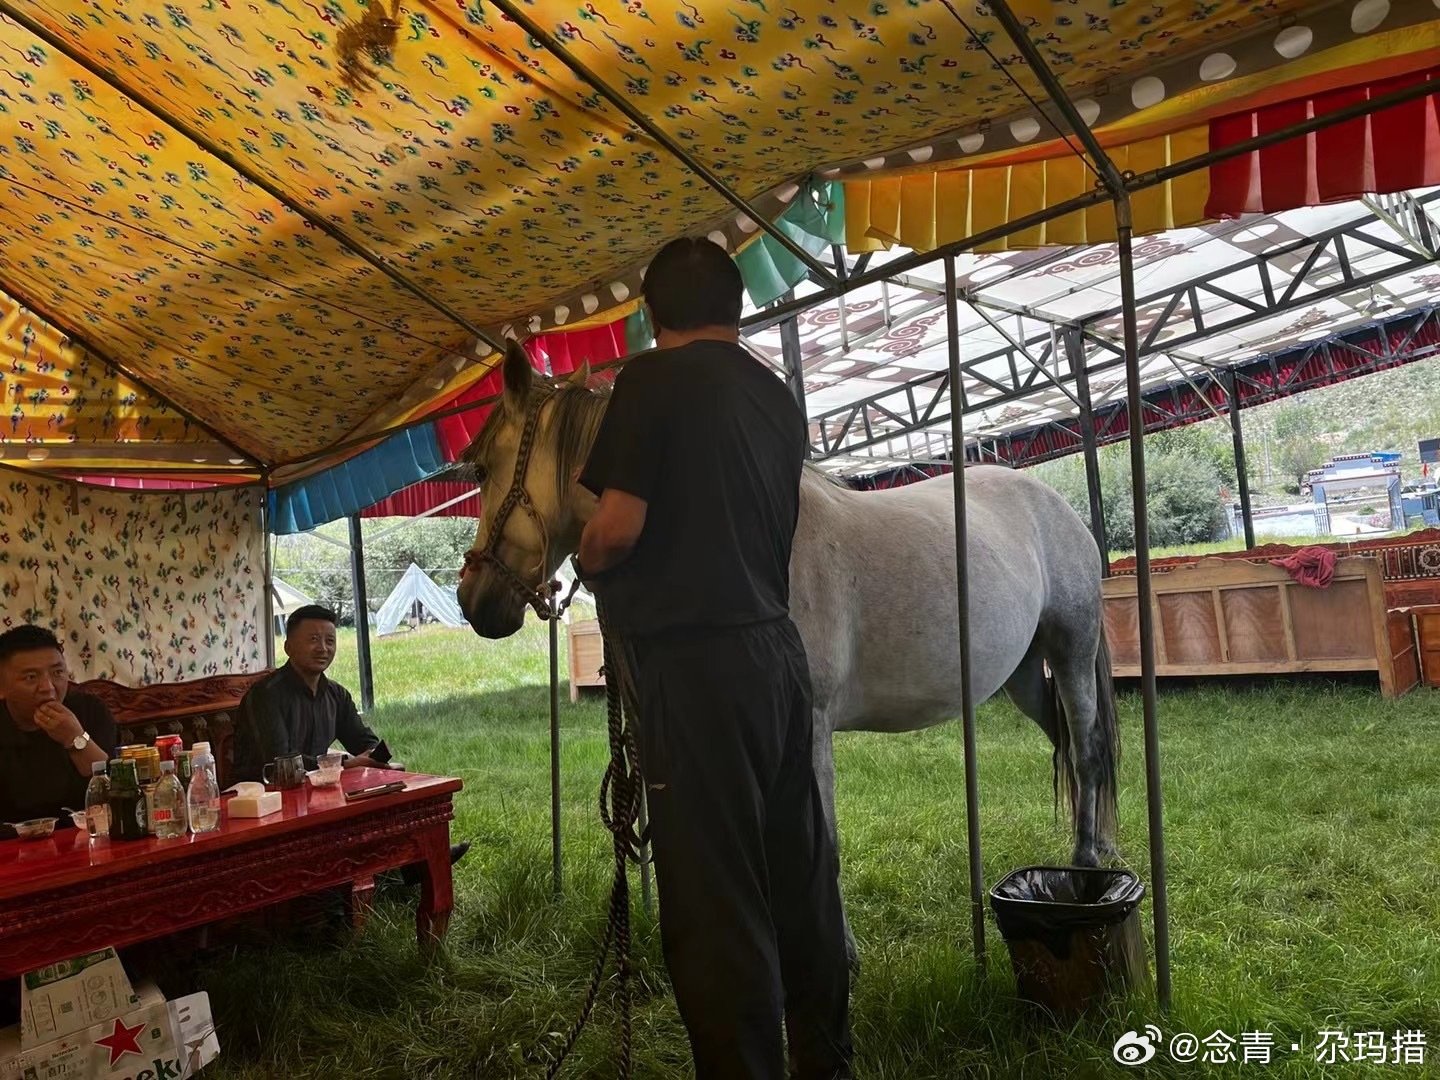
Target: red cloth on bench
{"points": [[1312, 566]]}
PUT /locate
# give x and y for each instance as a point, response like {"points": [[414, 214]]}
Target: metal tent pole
{"points": [[267, 637], [1242, 476], [962, 599], [1075, 350], [1118, 188], [362, 613], [557, 880], [1160, 907]]}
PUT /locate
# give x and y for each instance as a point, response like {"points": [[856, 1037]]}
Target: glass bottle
{"points": [[202, 798], [97, 803], [167, 805], [129, 816]]}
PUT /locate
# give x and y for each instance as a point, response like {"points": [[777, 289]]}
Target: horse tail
{"points": [[1107, 726], [1066, 784], [1107, 731]]}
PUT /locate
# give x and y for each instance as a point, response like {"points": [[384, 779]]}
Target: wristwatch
{"points": [[80, 741]]}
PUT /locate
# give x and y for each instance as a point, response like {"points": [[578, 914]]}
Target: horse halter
{"points": [[544, 600]]}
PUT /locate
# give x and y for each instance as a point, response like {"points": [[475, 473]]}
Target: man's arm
{"points": [[622, 470], [611, 535], [61, 724], [353, 734]]}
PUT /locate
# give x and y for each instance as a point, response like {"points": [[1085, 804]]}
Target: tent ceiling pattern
{"points": [[291, 219], [876, 362]]}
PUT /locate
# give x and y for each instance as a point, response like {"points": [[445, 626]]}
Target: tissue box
{"points": [[253, 806], [156, 1038]]}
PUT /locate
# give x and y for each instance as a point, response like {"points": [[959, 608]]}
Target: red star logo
{"points": [[123, 1040]]}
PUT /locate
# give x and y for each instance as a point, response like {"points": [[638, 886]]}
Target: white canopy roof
{"points": [[1208, 298]]}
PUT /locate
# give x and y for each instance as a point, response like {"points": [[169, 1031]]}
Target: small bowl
{"points": [[35, 829], [78, 817], [320, 778]]}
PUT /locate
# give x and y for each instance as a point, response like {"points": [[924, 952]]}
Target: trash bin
{"points": [[1073, 933]]}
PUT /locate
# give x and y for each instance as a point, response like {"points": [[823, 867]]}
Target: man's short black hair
{"points": [[693, 283], [309, 611], [27, 638]]}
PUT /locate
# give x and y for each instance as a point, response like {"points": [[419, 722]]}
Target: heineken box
{"points": [[73, 995], [151, 1039]]}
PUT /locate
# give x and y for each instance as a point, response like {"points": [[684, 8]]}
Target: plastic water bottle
{"points": [[97, 803], [167, 805], [202, 799]]}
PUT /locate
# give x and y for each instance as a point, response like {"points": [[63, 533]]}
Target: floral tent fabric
{"points": [[141, 588], [243, 242]]}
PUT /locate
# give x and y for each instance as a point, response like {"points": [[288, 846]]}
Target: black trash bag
{"points": [[1072, 933]]}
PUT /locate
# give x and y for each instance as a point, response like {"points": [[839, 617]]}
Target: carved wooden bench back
{"points": [[199, 710]]}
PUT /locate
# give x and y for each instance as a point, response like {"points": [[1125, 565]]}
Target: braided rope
{"points": [[622, 787], [620, 794]]}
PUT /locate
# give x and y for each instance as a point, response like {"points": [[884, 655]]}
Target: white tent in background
{"points": [[285, 599], [416, 587]]}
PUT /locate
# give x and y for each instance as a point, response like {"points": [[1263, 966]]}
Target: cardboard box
{"points": [[157, 1040], [123, 1034], [73, 995]]}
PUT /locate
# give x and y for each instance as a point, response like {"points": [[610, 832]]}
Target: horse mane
{"points": [[572, 422]]}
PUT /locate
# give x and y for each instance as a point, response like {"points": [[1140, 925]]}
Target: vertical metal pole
{"points": [[794, 365], [1159, 899], [362, 614], [962, 591], [1242, 476], [1075, 351], [267, 635], [557, 880]]}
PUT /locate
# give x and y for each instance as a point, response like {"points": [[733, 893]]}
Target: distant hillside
{"points": [[1392, 410]]}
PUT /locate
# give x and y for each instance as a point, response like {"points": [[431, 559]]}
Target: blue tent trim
{"points": [[362, 481]]}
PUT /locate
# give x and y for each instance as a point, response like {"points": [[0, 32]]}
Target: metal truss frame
{"points": [[1033, 360], [1395, 342]]}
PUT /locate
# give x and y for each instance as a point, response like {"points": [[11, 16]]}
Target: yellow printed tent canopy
{"points": [[241, 237]]}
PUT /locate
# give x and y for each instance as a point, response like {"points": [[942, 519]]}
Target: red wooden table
{"points": [[64, 896]]}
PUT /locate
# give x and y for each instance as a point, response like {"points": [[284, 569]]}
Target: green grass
{"points": [[1304, 892]]}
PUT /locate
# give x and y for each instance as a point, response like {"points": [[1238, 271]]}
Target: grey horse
{"points": [[873, 592]]}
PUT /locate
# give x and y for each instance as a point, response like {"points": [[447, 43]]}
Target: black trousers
{"points": [[750, 916]]}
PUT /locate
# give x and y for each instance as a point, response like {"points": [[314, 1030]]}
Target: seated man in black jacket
{"points": [[297, 710], [50, 735]]}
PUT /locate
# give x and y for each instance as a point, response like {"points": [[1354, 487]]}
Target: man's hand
{"points": [[59, 723], [365, 761]]}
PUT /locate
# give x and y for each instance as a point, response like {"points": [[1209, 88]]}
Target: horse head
{"points": [[526, 460]]}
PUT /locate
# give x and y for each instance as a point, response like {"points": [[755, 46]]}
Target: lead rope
{"points": [[621, 790]]}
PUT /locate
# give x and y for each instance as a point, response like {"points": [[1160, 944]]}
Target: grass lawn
{"points": [[1301, 829]]}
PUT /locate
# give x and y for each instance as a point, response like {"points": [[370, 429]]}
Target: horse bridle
{"points": [[544, 600]]}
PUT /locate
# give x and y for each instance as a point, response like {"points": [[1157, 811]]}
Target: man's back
{"points": [[718, 444]]}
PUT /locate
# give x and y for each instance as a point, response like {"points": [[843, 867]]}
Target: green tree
{"points": [[1182, 494]]}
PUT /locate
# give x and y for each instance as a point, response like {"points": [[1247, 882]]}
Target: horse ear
{"points": [[518, 374], [581, 375]]}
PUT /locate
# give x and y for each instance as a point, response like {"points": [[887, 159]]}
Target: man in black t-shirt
{"points": [[697, 469], [50, 735]]}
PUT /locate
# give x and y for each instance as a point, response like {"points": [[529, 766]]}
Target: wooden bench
{"points": [[587, 655], [1234, 617], [197, 710], [1409, 564]]}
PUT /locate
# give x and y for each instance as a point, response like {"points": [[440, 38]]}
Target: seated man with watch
{"points": [[50, 735]]}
